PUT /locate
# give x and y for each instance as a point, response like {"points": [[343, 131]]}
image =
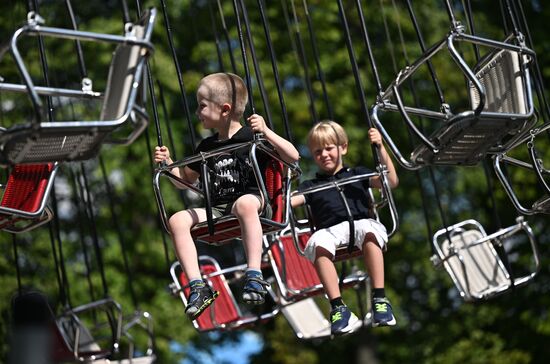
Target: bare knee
{"points": [[322, 253], [180, 220], [245, 206]]}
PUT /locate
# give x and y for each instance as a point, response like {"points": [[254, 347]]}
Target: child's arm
{"points": [[162, 154], [298, 200], [286, 150], [393, 180]]}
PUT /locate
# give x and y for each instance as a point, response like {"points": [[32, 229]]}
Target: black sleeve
{"points": [[363, 170], [303, 186], [202, 147]]}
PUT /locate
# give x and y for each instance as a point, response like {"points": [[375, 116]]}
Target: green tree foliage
{"points": [[434, 324]]}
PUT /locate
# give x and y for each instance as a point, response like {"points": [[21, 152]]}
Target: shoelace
{"points": [[337, 316], [380, 307], [259, 287], [195, 291]]}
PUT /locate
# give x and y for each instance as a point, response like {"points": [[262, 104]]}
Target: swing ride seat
{"points": [[295, 275], [142, 321], [471, 260], [306, 319], [32, 311], [542, 205], [299, 234], [75, 341], [467, 137], [39, 141], [273, 187], [23, 206], [535, 166], [227, 228], [224, 313], [501, 106]]}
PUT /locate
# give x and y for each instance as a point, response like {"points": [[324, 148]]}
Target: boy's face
{"points": [[328, 157], [210, 113]]}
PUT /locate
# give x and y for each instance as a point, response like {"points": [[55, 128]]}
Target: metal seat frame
{"points": [[76, 341], [222, 230], [17, 216], [534, 165], [491, 125], [296, 277], [472, 262], [386, 199], [143, 321], [227, 318], [41, 141]]}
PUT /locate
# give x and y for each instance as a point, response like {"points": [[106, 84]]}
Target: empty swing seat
{"points": [[306, 319], [535, 166], [77, 341], [40, 141], [138, 321], [66, 336], [501, 109], [466, 138], [23, 206], [472, 261]]}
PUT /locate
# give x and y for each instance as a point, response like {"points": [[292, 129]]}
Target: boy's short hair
{"points": [[326, 132], [225, 87]]}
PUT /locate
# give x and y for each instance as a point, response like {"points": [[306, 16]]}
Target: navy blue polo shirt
{"points": [[327, 206]]}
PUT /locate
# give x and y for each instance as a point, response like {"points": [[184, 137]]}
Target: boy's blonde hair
{"points": [[326, 132], [227, 88]]}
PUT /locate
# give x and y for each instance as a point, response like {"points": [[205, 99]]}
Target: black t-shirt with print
{"points": [[327, 206], [231, 174]]}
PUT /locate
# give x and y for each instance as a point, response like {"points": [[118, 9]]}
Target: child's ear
{"points": [[226, 108], [344, 148]]}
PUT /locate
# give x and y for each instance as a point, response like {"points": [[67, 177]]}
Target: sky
{"points": [[236, 353]]}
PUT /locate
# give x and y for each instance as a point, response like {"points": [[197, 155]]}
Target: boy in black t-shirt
{"points": [[328, 143], [222, 98]]}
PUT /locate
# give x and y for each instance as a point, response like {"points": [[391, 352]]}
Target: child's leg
{"points": [[180, 226], [246, 209], [200, 295], [374, 260], [342, 320], [327, 272]]}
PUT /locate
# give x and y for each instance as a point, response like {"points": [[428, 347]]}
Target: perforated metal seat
{"points": [[472, 262], [39, 141], [67, 338], [468, 137], [501, 106]]}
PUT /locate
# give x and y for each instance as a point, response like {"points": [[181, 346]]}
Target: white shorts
{"points": [[337, 235]]}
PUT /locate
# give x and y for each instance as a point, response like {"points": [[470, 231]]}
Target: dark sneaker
{"points": [[254, 289], [200, 297], [343, 321], [382, 314]]}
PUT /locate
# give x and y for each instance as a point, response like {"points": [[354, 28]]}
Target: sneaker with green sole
{"points": [[200, 297]]}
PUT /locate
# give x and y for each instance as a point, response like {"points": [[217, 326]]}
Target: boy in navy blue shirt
{"points": [[328, 143]]}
